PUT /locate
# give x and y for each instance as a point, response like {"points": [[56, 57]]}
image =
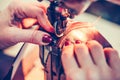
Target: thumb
{"points": [[27, 35]]}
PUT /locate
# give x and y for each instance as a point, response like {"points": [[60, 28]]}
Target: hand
{"points": [[86, 56], [13, 16], [89, 61]]}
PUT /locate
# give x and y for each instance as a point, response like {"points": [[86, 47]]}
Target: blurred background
{"points": [[108, 26], [106, 10]]}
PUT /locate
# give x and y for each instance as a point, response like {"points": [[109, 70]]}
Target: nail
{"points": [[77, 41], [46, 39], [51, 29], [67, 43]]}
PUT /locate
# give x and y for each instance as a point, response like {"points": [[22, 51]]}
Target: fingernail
{"points": [[52, 29], [46, 39], [67, 43], [77, 41]]}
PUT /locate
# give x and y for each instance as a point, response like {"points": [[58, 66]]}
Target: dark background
{"points": [[106, 10]]}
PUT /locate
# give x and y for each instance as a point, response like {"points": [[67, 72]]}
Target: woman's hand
{"points": [[12, 17], [89, 61]]}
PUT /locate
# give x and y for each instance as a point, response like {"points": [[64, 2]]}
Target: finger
{"points": [[68, 59], [24, 35], [44, 22], [98, 56], [112, 58], [83, 55], [41, 17], [29, 10], [97, 53], [94, 74], [28, 22]]}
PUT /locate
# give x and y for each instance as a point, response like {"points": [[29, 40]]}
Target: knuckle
{"points": [[78, 75], [33, 37], [41, 12], [14, 3], [93, 73], [107, 73]]}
